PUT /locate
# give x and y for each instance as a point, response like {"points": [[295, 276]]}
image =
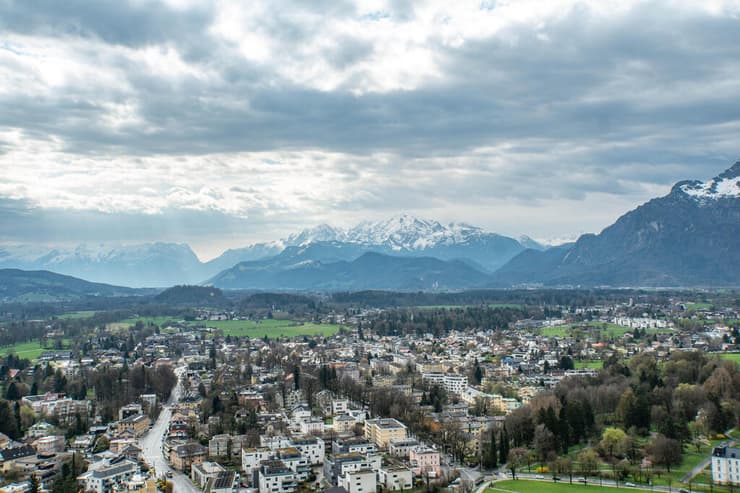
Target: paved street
{"points": [[151, 445]]}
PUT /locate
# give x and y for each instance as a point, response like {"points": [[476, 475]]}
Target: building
{"points": [[252, 458], [344, 423], [401, 447], [425, 461], [452, 383], [362, 481], [394, 478], [382, 431], [183, 457], [50, 445], [311, 448], [726, 465], [109, 476], [358, 445], [275, 477], [337, 465], [202, 473], [225, 445], [138, 423], [57, 405]]}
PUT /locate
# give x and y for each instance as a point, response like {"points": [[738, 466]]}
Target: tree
{"points": [[489, 457], [544, 442], [35, 486], [588, 459], [516, 459], [13, 394], [613, 441], [665, 452]]}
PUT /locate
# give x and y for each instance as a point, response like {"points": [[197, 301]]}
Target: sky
{"points": [[225, 123]]}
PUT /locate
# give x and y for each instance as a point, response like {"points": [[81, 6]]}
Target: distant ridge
{"points": [[24, 286], [690, 237]]}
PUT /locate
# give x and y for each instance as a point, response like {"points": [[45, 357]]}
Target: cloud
{"points": [[297, 112]]}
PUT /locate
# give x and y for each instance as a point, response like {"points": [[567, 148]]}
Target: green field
{"points": [[80, 314], [606, 328], [595, 364], [271, 328], [29, 350], [731, 357], [524, 486]]}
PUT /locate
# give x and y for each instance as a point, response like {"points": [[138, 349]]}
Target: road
{"points": [[151, 444]]}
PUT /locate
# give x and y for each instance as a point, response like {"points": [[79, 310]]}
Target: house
{"points": [[344, 423], [726, 465], [337, 465], [50, 445], [362, 481], [382, 431], [401, 447], [108, 476], [358, 445], [394, 478], [275, 477], [10, 456], [252, 458], [183, 457], [311, 448], [138, 423], [425, 461], [202, 473]]}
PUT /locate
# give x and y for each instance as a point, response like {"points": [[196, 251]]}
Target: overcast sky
{"points": [[219, 125]]}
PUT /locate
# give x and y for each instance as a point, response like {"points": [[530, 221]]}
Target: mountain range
{"points": [[690, 237], [167, 264]]}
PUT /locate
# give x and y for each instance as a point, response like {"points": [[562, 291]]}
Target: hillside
{"points": [[690, 237]]}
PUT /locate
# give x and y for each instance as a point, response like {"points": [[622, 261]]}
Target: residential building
{"points": [[108, 476], [425, 461], [394, 478], [382, 431], [362, 481], [726, 465], [276, 477]]}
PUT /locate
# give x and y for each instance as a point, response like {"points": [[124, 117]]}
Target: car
{"points": [[683, 490], [169, 474], [539, 476], [556, 478], [630, 485]]}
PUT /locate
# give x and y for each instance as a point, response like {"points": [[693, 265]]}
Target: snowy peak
{"points": [[322, 232], [402, 232], [724, 186]]}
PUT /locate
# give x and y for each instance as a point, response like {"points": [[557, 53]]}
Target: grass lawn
{"points": [[595, 364], [30, 350], [80, 314], [525, 486], [272, 328], [559, 331], [731, 356]]}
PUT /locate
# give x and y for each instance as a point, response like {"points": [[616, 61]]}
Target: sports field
{"points": [[524, 486]]}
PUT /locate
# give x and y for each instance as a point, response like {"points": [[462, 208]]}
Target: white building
{"points": [[726, 465], [396, 478], [276, 477], [107, 477], [362, 481], [452, 383], [253, 457]]}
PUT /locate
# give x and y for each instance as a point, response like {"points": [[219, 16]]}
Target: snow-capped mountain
{"points": [[724, 186], [690, 237], [143, 265]]}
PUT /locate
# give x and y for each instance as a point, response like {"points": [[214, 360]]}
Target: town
{"points": [[638, 391]]}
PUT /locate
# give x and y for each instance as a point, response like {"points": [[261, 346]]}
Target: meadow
{"points": [[272, 328], [30, 350]]}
